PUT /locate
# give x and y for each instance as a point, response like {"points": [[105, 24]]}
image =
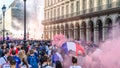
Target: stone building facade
{"points": [[89, 20]]}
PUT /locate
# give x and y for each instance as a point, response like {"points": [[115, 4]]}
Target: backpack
{"points": [[33, 62]]}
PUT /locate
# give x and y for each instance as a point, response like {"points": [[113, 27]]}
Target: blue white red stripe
{"points": [[73, 47]]}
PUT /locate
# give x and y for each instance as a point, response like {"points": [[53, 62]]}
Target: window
{"points": [[58, 10], [67, 9], [62, 11], [109, 4], [84, 5], [99, 2], [78, 6], [51, 13], [91, 4], [72, 8], [48, 14], [54, 12], [109, 1]]}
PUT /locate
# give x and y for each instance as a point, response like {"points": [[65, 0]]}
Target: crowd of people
{"points": [[36, 54]]}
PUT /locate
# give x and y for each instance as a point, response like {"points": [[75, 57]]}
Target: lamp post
{"points": [[24, 23], [3, 10]]}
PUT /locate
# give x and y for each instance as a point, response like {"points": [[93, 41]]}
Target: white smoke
{"points": [[34, 11]]}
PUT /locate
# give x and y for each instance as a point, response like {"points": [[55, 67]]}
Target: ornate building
{"points": [[89, 20], [14, 19]]}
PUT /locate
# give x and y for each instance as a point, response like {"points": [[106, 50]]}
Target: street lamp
{"points": [[24, 23], [3, 9]]}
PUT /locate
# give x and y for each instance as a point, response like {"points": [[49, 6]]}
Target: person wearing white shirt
{"points": [[3, 59], [74, 61], [7, 64]]}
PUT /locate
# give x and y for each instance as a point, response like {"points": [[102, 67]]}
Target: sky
{"points": [[6, 2]]}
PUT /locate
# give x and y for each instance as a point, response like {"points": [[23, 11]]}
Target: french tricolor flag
{"points": [[72, 46]]}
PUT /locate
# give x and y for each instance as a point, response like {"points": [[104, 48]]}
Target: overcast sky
{"points": [[6, 2]]}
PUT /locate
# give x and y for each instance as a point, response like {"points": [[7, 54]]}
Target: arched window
{"points": [[66, 30], [54, 31], [77, 31], [109, 27], [84, 30], [72, 31], [62, 29], [58, 29], [118, 20], [100, 29], [91, 30], [108, 24]]}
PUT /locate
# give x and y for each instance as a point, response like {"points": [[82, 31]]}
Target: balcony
{"points": [[86, 13]]}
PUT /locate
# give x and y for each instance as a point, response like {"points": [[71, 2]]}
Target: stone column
{"points": [[51, 34], [81, 34], [69, 34], [65, 33], [104, 32], [75, 33], [87, 34], [96, 35], [114, 28]]}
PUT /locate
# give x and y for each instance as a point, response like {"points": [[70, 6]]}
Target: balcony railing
{"points": [[85, 11]]}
